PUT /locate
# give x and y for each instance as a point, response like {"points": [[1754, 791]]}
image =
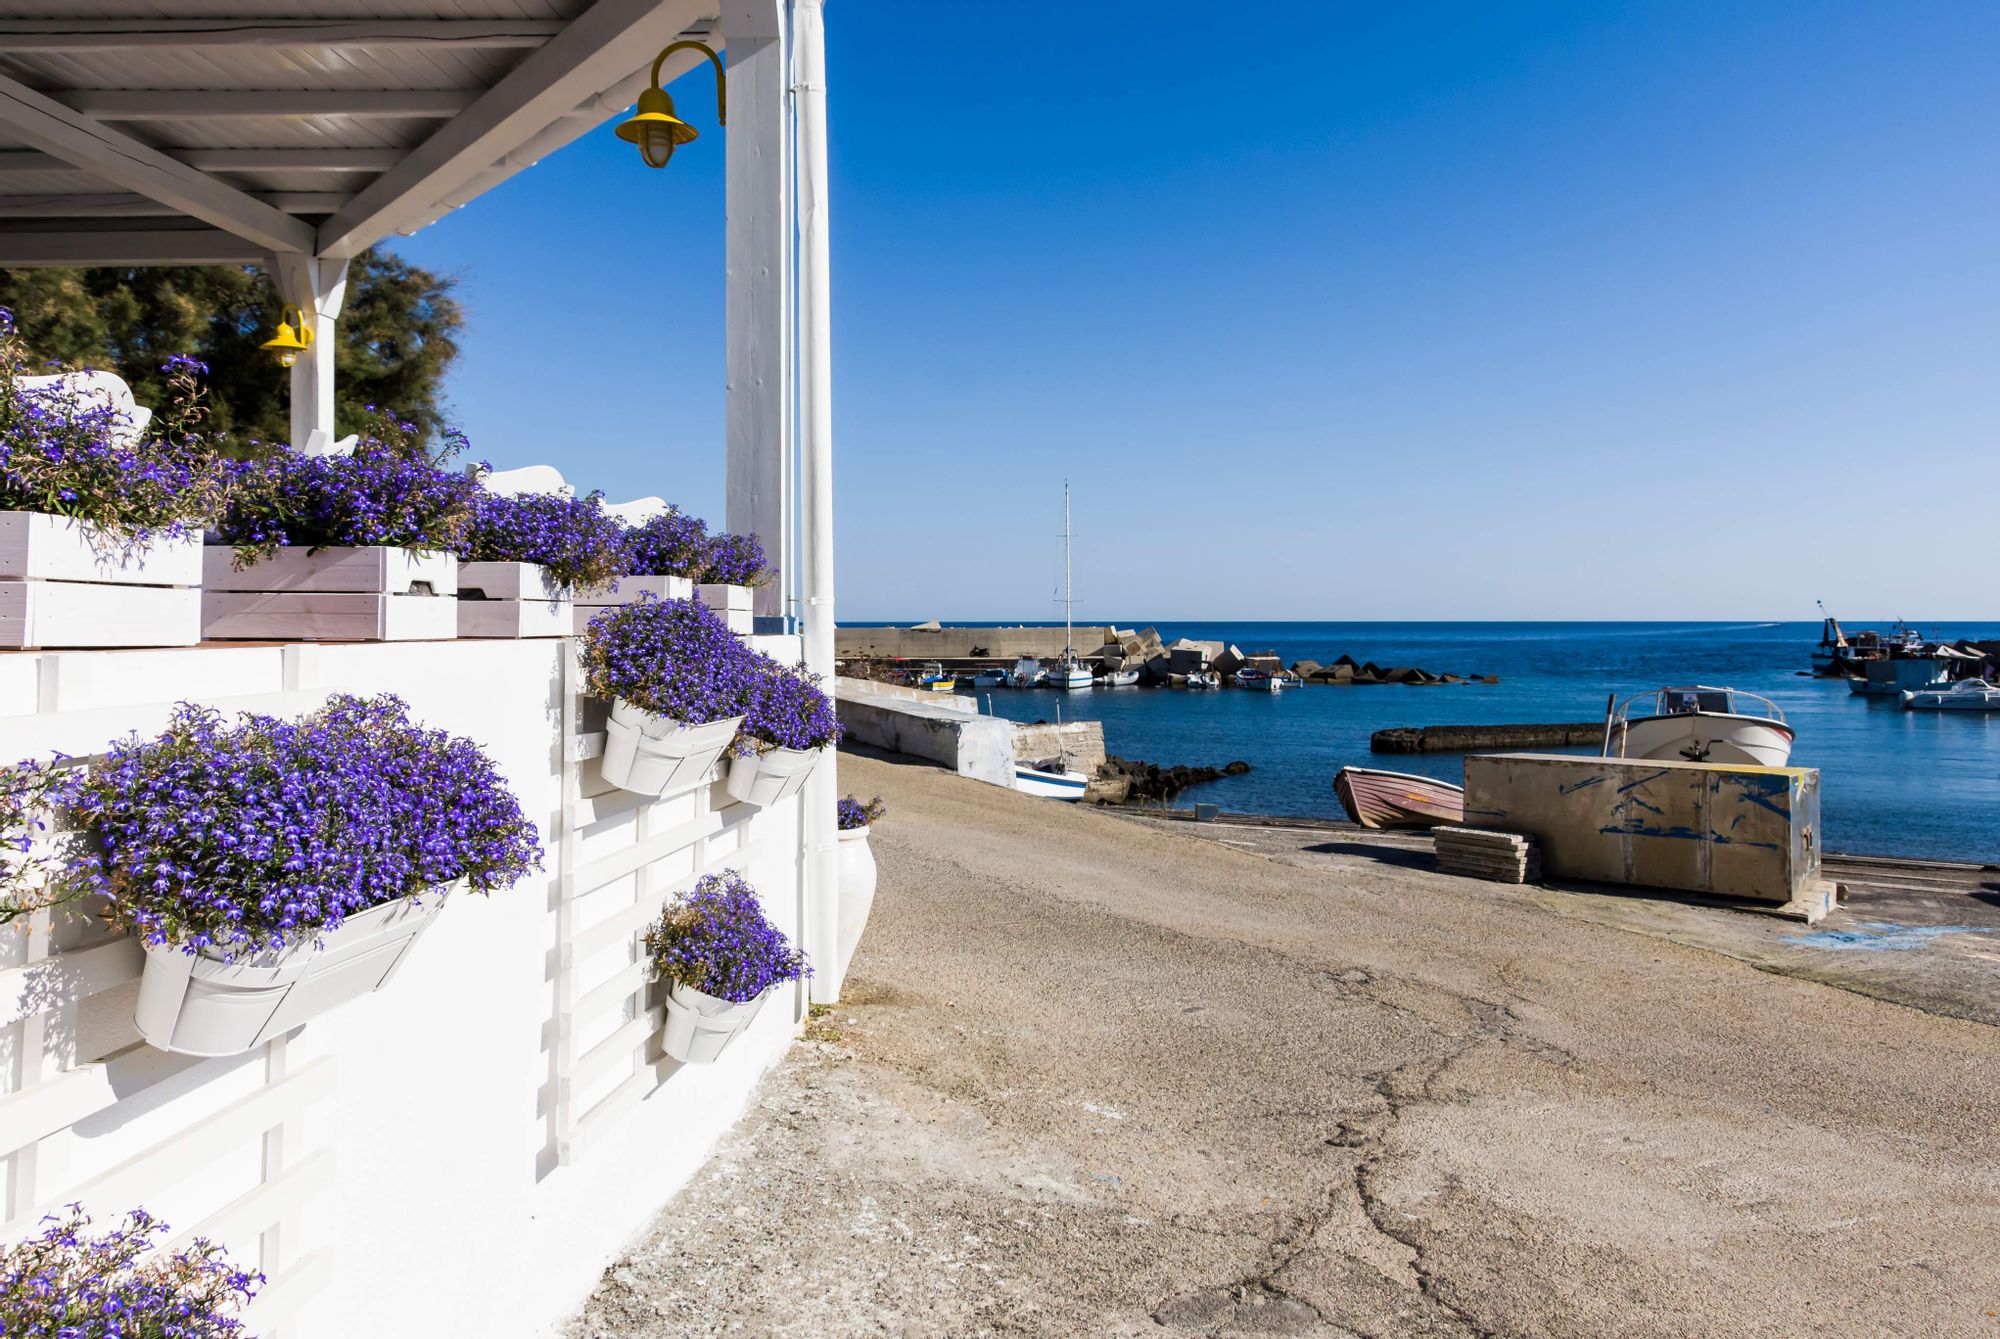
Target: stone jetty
{"points": [[1128, 780], [1465, 738]]}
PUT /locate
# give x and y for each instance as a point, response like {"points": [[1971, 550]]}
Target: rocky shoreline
{"points": [[1132, 781]]}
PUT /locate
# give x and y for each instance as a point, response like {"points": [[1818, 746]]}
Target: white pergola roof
{"points": [[151, 132]]}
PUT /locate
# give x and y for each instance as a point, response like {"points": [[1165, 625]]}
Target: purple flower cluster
{"points": [[716, 940], [788, 710], [575, 540], [851, 813], [672, 544], [68, 1284], [260, 834], [69, 454], [673, 658], [676, 544], [28, 870], [735, 560], [386, 492]]}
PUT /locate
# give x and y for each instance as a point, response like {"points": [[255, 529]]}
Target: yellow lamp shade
{"points": [[655, 128], [289, 344]]}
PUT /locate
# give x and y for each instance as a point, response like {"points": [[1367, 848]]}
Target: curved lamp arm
{"points": [[721, 75]]}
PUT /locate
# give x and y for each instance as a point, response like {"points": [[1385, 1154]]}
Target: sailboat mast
{"points": [[1069, 652]]}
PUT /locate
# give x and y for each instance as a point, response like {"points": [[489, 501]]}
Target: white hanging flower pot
{"points": [[650, 754], [199, 1004], [700, 1025], [776, 774], [857, 889]]}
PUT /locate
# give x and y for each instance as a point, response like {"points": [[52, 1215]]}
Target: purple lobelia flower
{"points": [[851, 813], [575, 540], [389, 491], [735, 560], [788, 710], [67, 1283], [262, 833], [70, 454], [672, 544], [716, 940], [673, 658]]}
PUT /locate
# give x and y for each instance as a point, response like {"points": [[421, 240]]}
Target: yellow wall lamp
{"points": [[654, 127], [289, 343]]}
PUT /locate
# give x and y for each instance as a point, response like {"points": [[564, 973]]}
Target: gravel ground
{"points": [[1094, 1077]]}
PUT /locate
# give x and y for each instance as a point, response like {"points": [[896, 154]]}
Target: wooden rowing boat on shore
{"points": [[1378, 799]]}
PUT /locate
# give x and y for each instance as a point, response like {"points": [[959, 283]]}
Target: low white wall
{"points": [[942, 727], [463, 1152]]}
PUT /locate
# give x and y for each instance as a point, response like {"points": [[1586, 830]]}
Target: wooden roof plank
{"points": [[91, 34]]}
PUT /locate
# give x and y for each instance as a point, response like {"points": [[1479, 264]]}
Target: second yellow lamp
{"points": [[653, 125]]}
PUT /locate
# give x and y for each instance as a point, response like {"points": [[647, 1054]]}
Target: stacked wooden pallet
{"points": [[1504, 857]]}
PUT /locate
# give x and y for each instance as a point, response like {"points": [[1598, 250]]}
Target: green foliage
{"points": [[398, 333]]}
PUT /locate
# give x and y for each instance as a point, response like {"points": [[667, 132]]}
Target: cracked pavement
{"points": [[1094, 1077]]}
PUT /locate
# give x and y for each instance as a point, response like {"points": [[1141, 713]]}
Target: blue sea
{"points": [[1893, 782]]}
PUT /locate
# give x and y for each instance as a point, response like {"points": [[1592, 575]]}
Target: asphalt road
{"points": [[1096, 1077]]}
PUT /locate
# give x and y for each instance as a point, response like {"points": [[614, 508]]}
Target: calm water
{"points": [[1892, 781]]}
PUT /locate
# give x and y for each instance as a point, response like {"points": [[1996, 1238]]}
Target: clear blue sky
{"points": [[1328, 310]]}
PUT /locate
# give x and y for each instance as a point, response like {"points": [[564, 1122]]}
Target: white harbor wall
{"points": [[462, 1152]]}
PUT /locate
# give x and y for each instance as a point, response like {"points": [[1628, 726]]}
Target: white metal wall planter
{"points": [[369, 594], [733, 603], [197, 1004], [657, 755], [857, 889], [65, 583], [699, 1026], [772, 776], [511, 600]]}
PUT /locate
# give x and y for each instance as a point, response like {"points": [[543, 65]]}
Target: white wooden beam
{"points": [[192, 246], [758, 293], [202, 104], [45, 124], [120, 205], [319, 287], [93, 34], [32, 160], [311, 159], [597, 49]]}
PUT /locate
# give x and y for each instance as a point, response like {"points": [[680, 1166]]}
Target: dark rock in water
{"points": [[1150, 781]]}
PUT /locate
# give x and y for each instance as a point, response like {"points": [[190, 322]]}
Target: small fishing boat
{"points": [[1119, 678], [990, 678], [935, 678], [1050, 779], [1378, 799], [1700, 724], [1027, 673], [1204, 679], [1965, 695]]}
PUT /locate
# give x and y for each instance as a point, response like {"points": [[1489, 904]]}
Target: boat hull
{"points": [[1377, 799], [1964, 697], [1702, 736], [1050, 785]]}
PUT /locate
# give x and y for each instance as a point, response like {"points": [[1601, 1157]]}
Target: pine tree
{"points": [[397, 336]]}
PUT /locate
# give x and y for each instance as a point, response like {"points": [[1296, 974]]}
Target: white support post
{"points": [[758, 300], [816, 479], [318, 285]]}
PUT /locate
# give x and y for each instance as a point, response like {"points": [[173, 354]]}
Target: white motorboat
{"points": [[1700, 724], [1119, 678], [1027, 673], [1965, 695], [1050, 779], [990, 678], [1204, 679]]}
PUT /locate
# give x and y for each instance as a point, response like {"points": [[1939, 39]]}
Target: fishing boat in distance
{"points": [[1700, 724], [1204, 679], [1378, 799], [935, 678], [1119, 678], [1965, 695], [1027, 673], [989, 678]]}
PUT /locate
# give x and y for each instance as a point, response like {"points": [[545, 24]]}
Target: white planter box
{"points": [[36, 546], [764, 779], [700, 1025], [374, 570], [307, 616], [628, 589], [657, 755], [733, 603], [201, 1005], [857, 890], [82, 613], [511, 600]]}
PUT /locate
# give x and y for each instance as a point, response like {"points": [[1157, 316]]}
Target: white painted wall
{"points": [[414, 1182]]}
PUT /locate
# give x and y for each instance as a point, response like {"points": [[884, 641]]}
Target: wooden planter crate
{"points": [[371, 594], [511, 600], [626, 590], [733, 603], [64, 584]]}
